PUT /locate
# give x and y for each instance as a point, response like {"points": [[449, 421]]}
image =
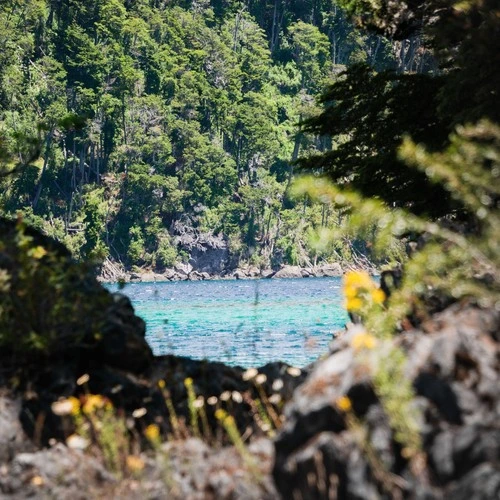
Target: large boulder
{"points": [[328, 271], [207, 252], [209, 258], [230, 385], [59, 323], [453, 361], [289, 272], [183, 269]]}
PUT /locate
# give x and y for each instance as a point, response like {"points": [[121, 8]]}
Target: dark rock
{"points": [[253, 272], [169, 274], [12, 439], [214, 379], [183, 269], [481, 483], [208, 252], [210, 260], [123, 342], [453, 361], [329, 466], [268, 273], [199, 472], [440, 393], [62, 473], [150, 277], [390, 280]]}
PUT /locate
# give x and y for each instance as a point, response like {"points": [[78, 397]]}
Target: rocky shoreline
{"points": [[186, 272]]}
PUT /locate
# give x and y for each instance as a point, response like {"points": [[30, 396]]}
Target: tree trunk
{"points": [[38, 190]]}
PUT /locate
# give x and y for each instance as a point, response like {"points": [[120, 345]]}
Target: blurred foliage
{"points": [[450, 257], [366, 113], [449, 261], [47, 302]]}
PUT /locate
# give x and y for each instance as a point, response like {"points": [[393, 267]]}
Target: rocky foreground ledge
{"points": [[454, 364], [307, 449]]}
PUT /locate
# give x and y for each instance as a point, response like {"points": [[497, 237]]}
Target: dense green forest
{"points": [[127, 124]]}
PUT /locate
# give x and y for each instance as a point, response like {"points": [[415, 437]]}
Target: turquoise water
{"points": [[246, 323]]}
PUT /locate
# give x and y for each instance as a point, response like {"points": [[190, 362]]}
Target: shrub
{"points": [[450, 262], [48, 302]]}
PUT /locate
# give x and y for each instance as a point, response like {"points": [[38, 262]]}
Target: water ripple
{"points": [[245, 324]]}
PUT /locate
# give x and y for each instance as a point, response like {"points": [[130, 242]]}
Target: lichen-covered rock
{"points": [[194, 470], [12, 438], [56, 472], [453, 361]]}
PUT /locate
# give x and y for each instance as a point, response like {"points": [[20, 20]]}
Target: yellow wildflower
{"points": [[250, 374], [37, 252], [229, 421], [350, 292], [294, 371], [161, 384], [378, 296], [237, 397], [37, 481], [139, 412], [75, 405], [354, 304], [152, 432], [344, 404], [69, 406], [364, 340], [76, 442], [199, 402], [358, 279], [135, 464], [220, 414], [83, 379], [225, 396], [188, 382], [94, 402]]}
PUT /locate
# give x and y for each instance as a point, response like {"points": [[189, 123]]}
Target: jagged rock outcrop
{"points": [[208, 252], [453, 361], [328, 271]]}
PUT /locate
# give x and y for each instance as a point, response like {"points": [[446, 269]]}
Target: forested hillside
{"points": [[133, 123]]}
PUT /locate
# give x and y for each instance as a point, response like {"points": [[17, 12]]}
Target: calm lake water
{"points": [[246, 323]]}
